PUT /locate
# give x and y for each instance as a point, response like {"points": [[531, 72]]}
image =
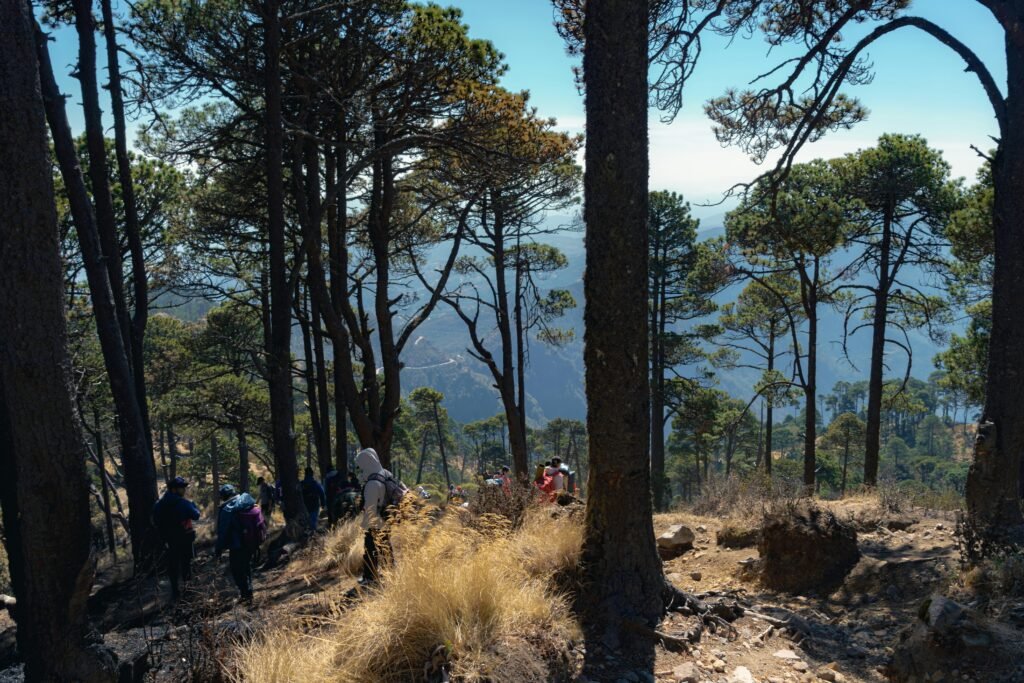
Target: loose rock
{"points": [[787, 655], [741, 674], [686, 673], [676, 541]]}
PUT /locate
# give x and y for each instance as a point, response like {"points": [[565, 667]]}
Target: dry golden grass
{"points": [[468, 585], [342, 549]]}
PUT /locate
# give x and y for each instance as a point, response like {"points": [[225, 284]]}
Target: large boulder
{"points": [[805, 548], [948, 636], [676, 541]]}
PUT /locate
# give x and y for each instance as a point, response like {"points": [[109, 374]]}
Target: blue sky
{"points": [[920, 87]]}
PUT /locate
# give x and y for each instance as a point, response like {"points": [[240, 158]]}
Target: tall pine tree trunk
{"points": [[47, 537], [811, 388], [140, 285], [769, 408], [323, 397], [137, 458], [101, 465], [875, 379], [440, 446], [992, 490], [279, 353], [619, 561]]}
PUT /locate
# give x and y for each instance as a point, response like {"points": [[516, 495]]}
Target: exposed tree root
{"points": [[668, 641], [714, 615]]}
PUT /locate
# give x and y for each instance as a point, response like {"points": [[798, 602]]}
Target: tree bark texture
{"points": [[620, 563], [140, 284], [137, 458], [47, 537], [279, 353], [875, 380], [992, 491]]}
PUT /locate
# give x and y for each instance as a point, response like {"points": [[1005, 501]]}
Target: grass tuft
{"points": [[466, 591]]}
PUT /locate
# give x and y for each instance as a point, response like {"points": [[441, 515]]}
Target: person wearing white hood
{"points": [[376, 498]]}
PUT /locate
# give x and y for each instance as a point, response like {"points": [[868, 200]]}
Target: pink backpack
{"points": [[253, 527]]}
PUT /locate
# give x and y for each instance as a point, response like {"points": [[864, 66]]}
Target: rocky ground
{"points": [[849, 633]]}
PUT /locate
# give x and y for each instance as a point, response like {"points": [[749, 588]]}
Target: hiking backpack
{"points": [[252, 527], [310, 496], [394, 490]]}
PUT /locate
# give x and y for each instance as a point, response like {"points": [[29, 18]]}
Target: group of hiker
{"points": [[554, 478], [241, 525], [241, 530], [242, 522]]}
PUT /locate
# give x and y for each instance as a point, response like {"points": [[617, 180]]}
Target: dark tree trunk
{"points": [[163, 453], [47, 537], [279, 353], [137, 458], [106, 224], [101, 464], [875, 380], [338, 256], [620, 564], [423, 457], [323, 396], [846, 462], [140, 286], [993, 482], [505, 378], [172, 447], [520, 328], [440, 445], [769, 409], [323, 454], [810, 386]]}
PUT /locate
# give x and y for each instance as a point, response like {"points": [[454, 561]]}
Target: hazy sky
{"points": [[920, 87]]}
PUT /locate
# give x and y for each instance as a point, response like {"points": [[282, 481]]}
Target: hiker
{"points": [[266, 494], [241, 530], [538, 473], [313, 497], [557, 474], [342, 497], [506, 477], [173, 516], [382, 492]]}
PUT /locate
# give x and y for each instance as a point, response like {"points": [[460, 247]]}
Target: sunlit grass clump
{"points": [[462, 589]]}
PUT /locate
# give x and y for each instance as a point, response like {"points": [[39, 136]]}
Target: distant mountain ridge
{"points": [[438, 355], [554, 378]]}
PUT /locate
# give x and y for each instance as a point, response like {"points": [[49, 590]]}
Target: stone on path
{"points": [[686, 673], [676, 541], [741, 674]]}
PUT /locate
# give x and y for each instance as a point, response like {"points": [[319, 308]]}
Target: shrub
{"points": [[468, 590]]}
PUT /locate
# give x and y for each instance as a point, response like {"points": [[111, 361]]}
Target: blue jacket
{"points": [[170, 515], [312, 487], [229, 535]]}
